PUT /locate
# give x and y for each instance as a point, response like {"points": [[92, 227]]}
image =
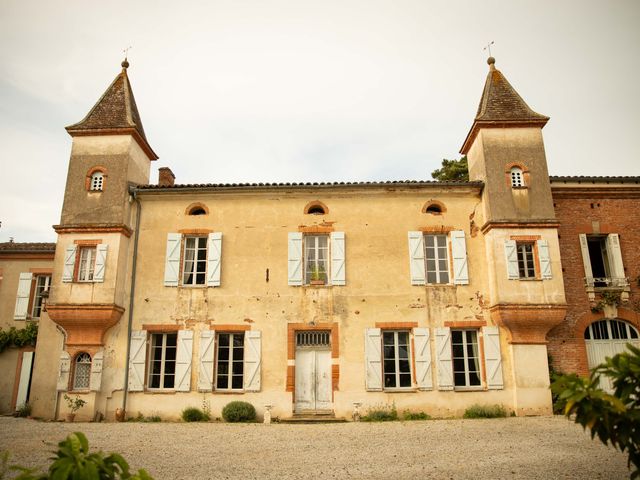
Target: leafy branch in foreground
{"points": [[613, 417], [73, 461]]}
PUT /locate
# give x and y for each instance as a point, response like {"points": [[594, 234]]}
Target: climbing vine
{"points": [[19, 337]]}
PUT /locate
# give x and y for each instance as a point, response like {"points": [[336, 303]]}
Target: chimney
{"points": [[166, 178]]}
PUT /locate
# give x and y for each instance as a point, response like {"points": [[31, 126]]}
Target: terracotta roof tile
{"points": [[27, 247]]}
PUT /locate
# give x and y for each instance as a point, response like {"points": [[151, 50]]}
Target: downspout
{"points": [[132, 192]]}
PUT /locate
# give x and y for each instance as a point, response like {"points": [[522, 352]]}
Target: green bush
{"points": [[613, 418], [19, 337], [407, 415], [485, 411], [194, 414], [23, 410], [73, 460], [383, 413], [239, 412]]}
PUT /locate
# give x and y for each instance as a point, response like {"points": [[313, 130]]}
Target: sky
{"points": [[295, 90]]}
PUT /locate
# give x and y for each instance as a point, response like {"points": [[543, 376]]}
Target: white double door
{"points": [[313, 380]]}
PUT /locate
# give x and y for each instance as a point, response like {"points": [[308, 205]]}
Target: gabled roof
{"points": [[28, 247], [501, 106], [115, 113]]}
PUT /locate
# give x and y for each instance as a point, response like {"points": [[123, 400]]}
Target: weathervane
{"points": [[488, 47], [126, 51]]}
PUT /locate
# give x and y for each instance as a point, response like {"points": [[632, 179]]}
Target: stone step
{"points": [[302, 418]]}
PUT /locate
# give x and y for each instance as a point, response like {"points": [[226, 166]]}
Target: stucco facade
{"points": [[303, 298]]}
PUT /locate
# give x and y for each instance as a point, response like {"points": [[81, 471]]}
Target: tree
{"points": [[452, 170], [613, 418]]}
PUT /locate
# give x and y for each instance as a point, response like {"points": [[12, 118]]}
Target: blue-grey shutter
{"points": [[416, 258], [545, 259], [69, 263], [338, 259], [101, 262], [295, 259], [214, 259], [459, 254], [22, 297], [511, 258], [172, 260]]}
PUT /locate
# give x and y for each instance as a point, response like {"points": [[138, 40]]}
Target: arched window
{"points": [[434, 207], [197, 209], [82, 371], [97, 182], [517, 178], [316, 208], [610, 330]]}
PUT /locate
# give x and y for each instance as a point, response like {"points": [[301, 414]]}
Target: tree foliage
{"points": [[613, 418], [452, 170], [19, 337]]}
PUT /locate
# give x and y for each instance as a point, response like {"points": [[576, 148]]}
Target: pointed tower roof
{"points": [[115, 113], [500, 107]]}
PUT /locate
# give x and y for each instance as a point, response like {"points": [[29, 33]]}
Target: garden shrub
{"points": [[194, 414], [383, 413], [239, 412], [485, 411]]}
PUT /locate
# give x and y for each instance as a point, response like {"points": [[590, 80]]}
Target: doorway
{"points": [[313, 392]]}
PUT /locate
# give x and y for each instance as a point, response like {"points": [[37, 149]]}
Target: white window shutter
{"points": [[69, 263], [443, 356], [205, 370], [338, 259], [184, 354], [295, 259], [101, 262], [416, 258], [545, 259], [137, 357], [22, 297], [252, 360], [459, 254], [63, 372], [586, 259], [172, 260], [511, 256], [615, 255], [423, 358], [373, 358], [95, 380], [214, 259], [492, 357]]}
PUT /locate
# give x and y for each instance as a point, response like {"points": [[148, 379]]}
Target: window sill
{"points": [[400, 390], [533, 279], [229, 392], [468, 389], [159, 391]]}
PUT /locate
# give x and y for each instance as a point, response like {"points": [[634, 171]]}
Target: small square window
{"points": [[97, 182]]}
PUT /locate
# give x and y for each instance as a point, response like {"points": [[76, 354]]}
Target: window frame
{"points": [[89, 267], [37, 293], [80, 360], [196, 260], [465, 359], [526, 249], [162, 361], [516, 177], [436, 248], [231, 360], [396, 359], [307, 274], [96, 182]]}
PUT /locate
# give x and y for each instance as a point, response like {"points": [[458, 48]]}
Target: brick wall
{"points": [[591, 215]]}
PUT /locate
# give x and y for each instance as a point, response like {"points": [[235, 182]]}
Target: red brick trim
{"points": [[316, 229], [436, 229], [87, 243], [195, 231], [41, 271], [190, 208], [396, 325], [122, 229], [463, 324], [230, 327], [160, 327]]}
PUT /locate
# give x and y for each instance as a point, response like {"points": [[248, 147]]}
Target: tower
{"points": [[92, 266], [505, 150]]}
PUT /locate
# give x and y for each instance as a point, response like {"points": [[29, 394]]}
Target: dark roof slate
{"points": [[27, 247]]}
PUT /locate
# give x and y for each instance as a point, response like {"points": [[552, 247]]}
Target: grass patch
{"points": [[382, 413], [485, 411], [141, 418], [407, 415]]}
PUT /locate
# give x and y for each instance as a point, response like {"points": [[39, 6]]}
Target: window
{"points": [[193, 260], [41, 286], [316, 259], [197, 209], [316, 208], [526, 265], [517, 178], [30, 295], [436, 260], [429, 258], [602, 260], [97, 181], [610, 330], [316, 253], [86, 264], [194, 266], [396, 364], [527, 258], [230, 361], [82, 371], [465, 357], [162, 360]]}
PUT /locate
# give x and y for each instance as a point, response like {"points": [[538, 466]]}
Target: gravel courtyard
{"points": [[540, 447]]}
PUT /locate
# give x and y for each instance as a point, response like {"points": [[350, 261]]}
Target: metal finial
{"points": [[125, 63], [488, 47]]}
